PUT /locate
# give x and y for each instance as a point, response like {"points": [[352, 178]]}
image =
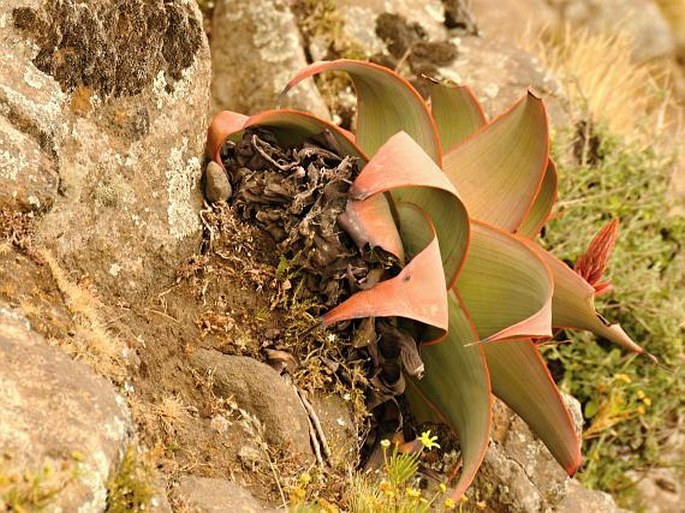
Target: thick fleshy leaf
{"points": [[387, 104], [418, 292], [506, 287], [456, 111], [291, 127], [499, 170], [520, 378], [544, 201], [221, 127], [456, 390], [573, 304], [400, 166]]}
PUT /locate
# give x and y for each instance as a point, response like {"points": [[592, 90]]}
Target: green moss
{"points": [[631, 405], [130, 489]]}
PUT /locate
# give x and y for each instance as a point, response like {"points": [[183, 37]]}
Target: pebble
{"points": [[217, 186]]}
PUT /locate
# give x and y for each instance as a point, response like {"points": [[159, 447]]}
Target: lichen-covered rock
{"points": [[63, 429], [211, 495], [27, 175], [518, 471], [360, 15], [256, 49], [582, 500], [259, 390], [499, 72], [111, 101], [641, 19]]}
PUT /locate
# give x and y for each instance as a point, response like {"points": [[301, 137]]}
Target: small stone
{"points": [[250, 456], [217, 186]]}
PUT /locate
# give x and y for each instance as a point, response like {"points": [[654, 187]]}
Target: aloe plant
{"points": [[459, 200]]}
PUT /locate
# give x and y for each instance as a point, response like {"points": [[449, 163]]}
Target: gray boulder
{"points": [[211, 495], [63, 429], [109, 131], [261, 391], [256, 49]]}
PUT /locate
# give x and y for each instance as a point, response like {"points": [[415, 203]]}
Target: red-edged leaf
{"points": [[499, 169], [544, 201], [456, 390], [367, 223], [418, 292], [573, 304], [400, 166], [520, 378], [506, 287], [221, 127], [456, 111], [387, 104]]}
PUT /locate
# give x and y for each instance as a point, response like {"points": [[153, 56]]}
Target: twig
{"points": [[317, 423]]}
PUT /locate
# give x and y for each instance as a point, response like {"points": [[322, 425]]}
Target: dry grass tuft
{"points": [[603, 84], [91, 342]]}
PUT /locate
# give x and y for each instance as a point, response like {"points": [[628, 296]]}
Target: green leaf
{"points": [[402, 167], [573, 304], [544, 201], [506, 287], [520, 378], [456, 111], [386, 104], [291, 127], [456, 390], [418, 292], [499, 170]]}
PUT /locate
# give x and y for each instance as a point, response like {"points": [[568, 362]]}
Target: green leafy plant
{"points": [[459, 202], [631, 407]]}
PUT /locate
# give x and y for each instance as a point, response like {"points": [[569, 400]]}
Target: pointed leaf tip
{"points": [[386, 104], [499, 170], [418, 293]]}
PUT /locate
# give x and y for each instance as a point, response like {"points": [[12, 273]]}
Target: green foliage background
{"points": [[631, 406]]}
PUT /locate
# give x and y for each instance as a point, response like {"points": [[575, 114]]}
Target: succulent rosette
{"points": [[459, 201]]}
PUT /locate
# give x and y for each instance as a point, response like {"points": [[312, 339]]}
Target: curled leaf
{"points": [[386, 104]]}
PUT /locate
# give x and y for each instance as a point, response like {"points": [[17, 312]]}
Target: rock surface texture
{"points": [[259, 390], [63, 429], [103, 109], [256, 49], [210, 495], [641, 19]]}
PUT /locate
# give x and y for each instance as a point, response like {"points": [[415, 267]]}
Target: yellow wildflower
{"points": [[428, 441], [412, 492]]}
